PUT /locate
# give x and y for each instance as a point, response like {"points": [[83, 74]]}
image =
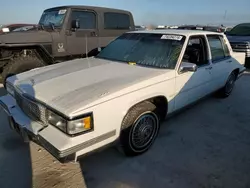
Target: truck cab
{"points": [[63, 33], [239, 38]]}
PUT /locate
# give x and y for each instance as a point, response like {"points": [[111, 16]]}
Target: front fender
{"points": [[44, 50]]}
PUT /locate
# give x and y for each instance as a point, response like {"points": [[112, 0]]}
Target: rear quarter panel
{"points": [[238, 58]]}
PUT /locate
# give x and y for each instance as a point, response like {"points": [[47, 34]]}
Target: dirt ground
{"points": [[207, 146]]}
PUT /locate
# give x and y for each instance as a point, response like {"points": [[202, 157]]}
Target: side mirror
{"points": [[188, 67], [75, 24]]}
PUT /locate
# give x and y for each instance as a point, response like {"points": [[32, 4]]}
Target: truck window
{"points": [[196, 51], [216, 46], [87, 19], [116, 20]]}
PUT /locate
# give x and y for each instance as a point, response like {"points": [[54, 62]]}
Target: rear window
{"points": [[145, 49], [116, 20]]}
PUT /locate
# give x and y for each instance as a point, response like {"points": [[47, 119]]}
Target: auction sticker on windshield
{"points": [[172, 37], [63, 11]]}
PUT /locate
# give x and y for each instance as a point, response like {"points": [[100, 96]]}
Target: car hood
{"points": [[233, 38], [81, 83], [26, 37]]}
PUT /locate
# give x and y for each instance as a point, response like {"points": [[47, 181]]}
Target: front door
{"points": [[84, 39], [191, 86]]}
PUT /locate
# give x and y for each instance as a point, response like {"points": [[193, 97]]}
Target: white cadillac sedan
{"points": [[123, 94]]}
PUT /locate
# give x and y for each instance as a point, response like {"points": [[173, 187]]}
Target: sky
{"points": [[157, 12]]}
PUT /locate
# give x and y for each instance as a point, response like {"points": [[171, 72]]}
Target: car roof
{"points": [[95, 8], [184, 32]]}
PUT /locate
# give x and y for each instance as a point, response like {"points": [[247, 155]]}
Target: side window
{"points": [[196, 51], [225, 46], [87, 19], [217, 49], [116, 21]]}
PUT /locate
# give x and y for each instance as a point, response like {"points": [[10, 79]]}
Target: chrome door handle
{"points": [[209, 68], [229, 61]]}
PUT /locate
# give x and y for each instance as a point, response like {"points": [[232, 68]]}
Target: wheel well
{"points": [[161, 104], [237, 71], [37, 51]]}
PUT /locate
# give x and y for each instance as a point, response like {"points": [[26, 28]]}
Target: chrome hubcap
{"points": [[144, 131], [230, 84]]}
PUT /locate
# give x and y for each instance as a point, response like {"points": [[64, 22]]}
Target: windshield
{"points": [[54, 17], [240, 30], [146, 49]]}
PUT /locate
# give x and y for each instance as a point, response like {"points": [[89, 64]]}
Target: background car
{"points": [[14, 27]]}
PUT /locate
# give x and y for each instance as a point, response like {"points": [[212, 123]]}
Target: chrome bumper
{"points": [[247, 51], [28, 129]]}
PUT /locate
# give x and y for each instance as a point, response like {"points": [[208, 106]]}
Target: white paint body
{"points": [[110, 89]]}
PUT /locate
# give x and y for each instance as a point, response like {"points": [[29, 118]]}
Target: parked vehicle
{"points": [[139, 28], [64, 33], [25, 28], [214, 28], [190, 27], [219, 29], [226, 29], [122, 94], [13, 27], [239, 38]]}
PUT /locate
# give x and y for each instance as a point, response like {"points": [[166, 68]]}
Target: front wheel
{"points": [[140, 129], [20, 65]]}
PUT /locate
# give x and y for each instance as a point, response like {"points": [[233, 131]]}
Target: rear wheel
{"points": [[20, 65], [140, 128], [229, 86]]}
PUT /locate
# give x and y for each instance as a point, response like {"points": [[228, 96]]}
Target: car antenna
{"points": [[86, 47]]}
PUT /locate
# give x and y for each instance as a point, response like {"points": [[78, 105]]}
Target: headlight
{"points": [[10, 89], [57, 121], [70, 127], [80, 125]]}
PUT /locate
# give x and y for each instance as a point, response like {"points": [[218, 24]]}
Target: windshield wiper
{"points": [[52, 25], [41, 26]]}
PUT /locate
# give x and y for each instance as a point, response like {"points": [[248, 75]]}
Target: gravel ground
{"points": [[207, 146]]}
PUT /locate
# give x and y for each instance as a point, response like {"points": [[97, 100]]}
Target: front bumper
{"points": [[63, 147], [29, 130]]}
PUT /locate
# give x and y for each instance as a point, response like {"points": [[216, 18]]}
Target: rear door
{"points": [[221, 60], [84, 39]]}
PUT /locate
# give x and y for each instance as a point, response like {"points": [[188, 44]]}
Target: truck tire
{"points": [[140, 128], [20, 65]]}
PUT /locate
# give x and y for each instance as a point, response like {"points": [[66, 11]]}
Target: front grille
{"points": [[32, 109], [237, 45]]}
